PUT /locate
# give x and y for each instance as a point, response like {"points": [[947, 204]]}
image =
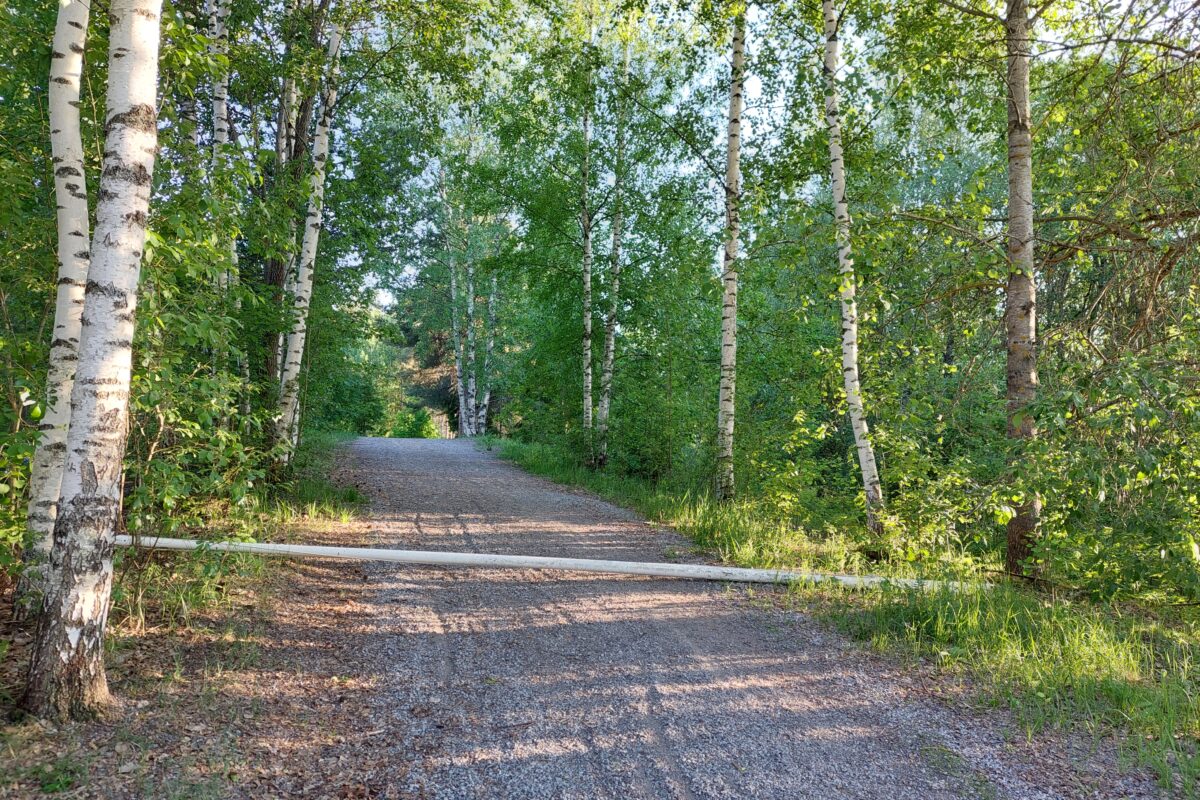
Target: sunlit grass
{"points": [[162, 588], [309, 494], [1053, 660]]}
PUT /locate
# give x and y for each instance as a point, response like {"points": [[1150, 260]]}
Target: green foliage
{"points": [[413, 423], [1053, 661], [60, 775]]}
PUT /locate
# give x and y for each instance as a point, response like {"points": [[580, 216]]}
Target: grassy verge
{"points": [[1054, 660], [166, 588]]}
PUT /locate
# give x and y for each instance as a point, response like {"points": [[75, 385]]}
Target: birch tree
{"points": [[610, 322], [287, 428], [481, 413], [847, 279], [465, 423], [218, 32], [448, 223], [70, 191], [1020, 296], [585, 230], [470, 343], [729, 270], [66, 672]]}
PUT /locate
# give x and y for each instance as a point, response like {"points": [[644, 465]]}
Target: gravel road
{"points": [[522, 684]]}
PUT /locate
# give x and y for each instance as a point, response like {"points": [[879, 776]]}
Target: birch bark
{"points": [[70, 191], [280, 271], [585, 227], [66, 672], [218, 33], [847, 279], [464, 423], [1020, 311], [464, 420], [610, 323], [471, 396], [287, 428], [729, 275], [481, 413]]}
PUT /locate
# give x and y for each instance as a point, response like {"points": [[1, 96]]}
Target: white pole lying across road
{"points": [[489, 560]]}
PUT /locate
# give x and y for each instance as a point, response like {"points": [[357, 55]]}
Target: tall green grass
{"points": [[167, 588], [1053, 660]]}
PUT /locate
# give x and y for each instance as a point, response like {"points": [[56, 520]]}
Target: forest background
{"points": [[521, 235]]}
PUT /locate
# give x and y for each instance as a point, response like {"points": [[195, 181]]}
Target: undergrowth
{"points": [[1054, 660], [164, 588]]}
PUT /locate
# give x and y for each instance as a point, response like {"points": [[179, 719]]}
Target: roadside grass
{"points": [[1053, 659], [165, 588], [184, 626]]}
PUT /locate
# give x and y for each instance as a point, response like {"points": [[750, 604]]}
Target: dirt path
{"points": [[524, 684], [380, 681]]}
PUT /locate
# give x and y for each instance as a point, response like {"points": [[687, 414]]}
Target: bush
{"points": [[413, 423]]}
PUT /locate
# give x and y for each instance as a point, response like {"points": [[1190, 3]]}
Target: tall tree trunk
{"points": [[847, 279], [218, 31], [280, 271], [471, 385], [481, 413], [1020, 311], [70, 191], [218, 17], [289, 401], [729, 277], [610, 323], [66, 672], [464, 422], [585, 228]]}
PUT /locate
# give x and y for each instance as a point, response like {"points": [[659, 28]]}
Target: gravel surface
{"points": [[372, 681], [527, 684]]}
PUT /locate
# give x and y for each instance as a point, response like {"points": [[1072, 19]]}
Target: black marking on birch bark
{"points": [[137, 174], [140, 117], [120, 296], [67, 281], [87, 477]]}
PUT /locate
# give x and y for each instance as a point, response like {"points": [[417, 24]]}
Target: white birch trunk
{"points": [[464, 420], [283, 150], [1020, 311], [66, 673], [729, 277], [481, 412], [288, 426], [471, 393], [610, 323], [218, 27], [847, 280], [218, 31], [70, 191], [585, 225]]}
